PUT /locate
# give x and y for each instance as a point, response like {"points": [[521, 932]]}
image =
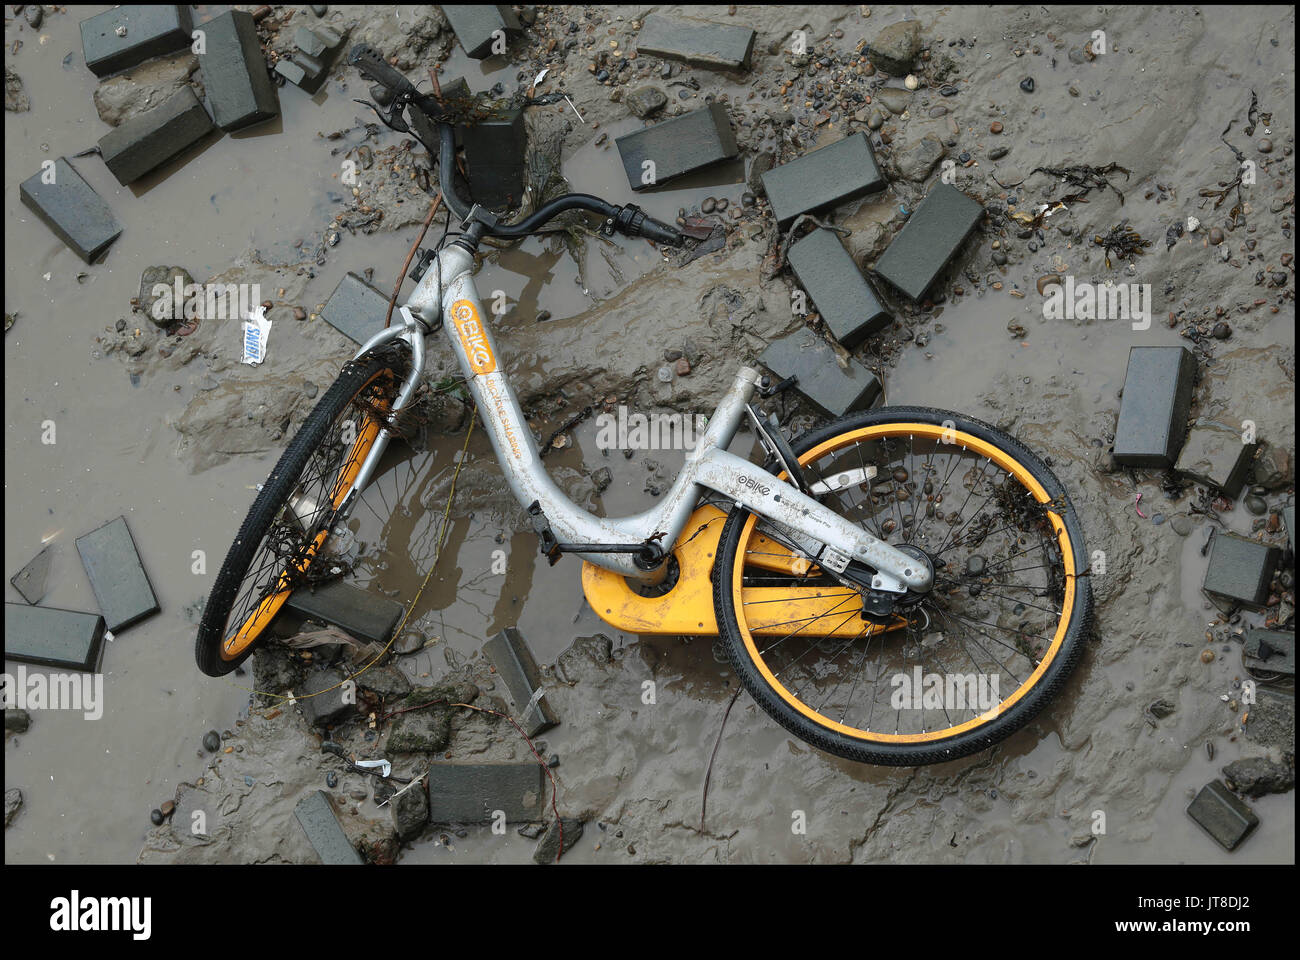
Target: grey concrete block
{"points": [[316, 816], [823, 178], [150, 139], [476, 25], [471, 792], [292, 72], [932, 236], [1222, 815], [74, 211], [309, 42], [833, 389], [356, 309], [495, 151], [365, 615], [699, 42], [120, 38], [30, 580], [1214, 455], [116, 575], [1269, 650], [239, 88], [1240, 569], [1153, 412], [678, 146], [324, 701], [56, 638], [508, 652], [1271, 722], [843, 297]]}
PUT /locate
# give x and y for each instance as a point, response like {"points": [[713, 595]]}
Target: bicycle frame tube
{"points": [[447, 290]]}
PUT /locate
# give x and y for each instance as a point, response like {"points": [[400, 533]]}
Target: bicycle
{"points": [[847, 558]]}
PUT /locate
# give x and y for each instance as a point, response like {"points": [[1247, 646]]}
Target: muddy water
{"points": [[637, 768]]}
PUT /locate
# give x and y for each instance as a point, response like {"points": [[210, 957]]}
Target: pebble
{"points": [[212, 741], [709, 205], [1027, 84], [911, 82], [683, 367], [1181, 524], [157, 817], [299, 313], [167, 808], [997, 153], [1207, 656], [119, 326], [666, 374], [995, 126], [1221, 331], [1265, 145], [1256, 505], [36, 16], [310, 389], [1216, 236], [332, 779]]}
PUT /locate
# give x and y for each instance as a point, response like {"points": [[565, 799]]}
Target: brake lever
{"points": [[392, 117]]}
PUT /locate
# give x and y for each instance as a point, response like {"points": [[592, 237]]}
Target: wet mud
{"points": [[175, 433]]}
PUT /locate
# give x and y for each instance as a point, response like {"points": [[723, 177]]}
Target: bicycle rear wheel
{"points": [[292, 517], [956, 669]]}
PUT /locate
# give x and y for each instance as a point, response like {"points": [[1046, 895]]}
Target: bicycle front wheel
{"points": [[290, 521], [948, 672]]}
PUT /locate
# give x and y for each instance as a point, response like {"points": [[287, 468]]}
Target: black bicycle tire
{"points": [[959, 745], [355, 376]]}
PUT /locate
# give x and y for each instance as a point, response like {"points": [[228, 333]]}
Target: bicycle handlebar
{"points": [[429, 120]]}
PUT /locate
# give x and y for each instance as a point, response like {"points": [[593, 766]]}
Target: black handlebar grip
{"points": [[372, 65], [652, 229]]}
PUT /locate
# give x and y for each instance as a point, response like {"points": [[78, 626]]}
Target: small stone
{"points": [[683, 367], [911, 82], [1221, 331], [1265, 145], [299, 313], [995, 126], [212, 741], [156, 817], [665, 374], [1027, 84], [1216, 236], [1207, 656], [1256, 505]]}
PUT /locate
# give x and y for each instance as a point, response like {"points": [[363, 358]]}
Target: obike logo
{"points": [[469, 327], [760, 488]]}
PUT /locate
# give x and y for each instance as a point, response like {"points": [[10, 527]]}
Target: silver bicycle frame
{"points": [[447, 291]]}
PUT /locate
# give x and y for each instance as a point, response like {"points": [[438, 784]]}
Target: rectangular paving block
{"points": [[471, 792], [1153, 411], [317, 818], [30, 580], [1222, 815], [821, 379], [842, 295], [932, 236], [120, 38], [72, 209], [365, 615], [1270, 650], [309, 42], [508, 652], [55, 638], [1214, 455], [699, 42], [150, 139], [239, 88], [495, 150], [1240, 569], [356, 309], [836, 173], [116, 575], [476, 25], [678, 146]]}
